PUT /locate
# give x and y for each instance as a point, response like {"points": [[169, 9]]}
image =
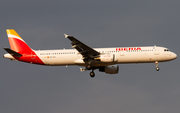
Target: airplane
{"points": [[103, 59]]}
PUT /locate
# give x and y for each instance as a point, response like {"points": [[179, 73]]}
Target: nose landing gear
{"points": [[157, 68]]}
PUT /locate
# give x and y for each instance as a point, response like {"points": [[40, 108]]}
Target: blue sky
{"points": [[137, 88]]}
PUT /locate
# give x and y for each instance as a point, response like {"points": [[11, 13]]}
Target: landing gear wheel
{"points": [[157, 69], [92, 74], [88, 67]]}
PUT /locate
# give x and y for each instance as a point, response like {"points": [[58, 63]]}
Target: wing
{"points": [[86, 51]]}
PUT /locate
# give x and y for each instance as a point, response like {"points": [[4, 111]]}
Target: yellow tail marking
{"points": [[12, 32]]}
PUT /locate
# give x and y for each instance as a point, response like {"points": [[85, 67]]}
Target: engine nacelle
{"points": [[113, 69], [107, 58]]}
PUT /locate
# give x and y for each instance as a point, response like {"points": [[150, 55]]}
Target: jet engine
{"points": [[113, 69]]}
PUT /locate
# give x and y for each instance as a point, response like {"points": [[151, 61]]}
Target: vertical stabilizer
{"points": [[17, 44]]}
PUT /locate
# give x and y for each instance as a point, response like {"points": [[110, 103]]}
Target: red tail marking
{"points": [[19, 46]]}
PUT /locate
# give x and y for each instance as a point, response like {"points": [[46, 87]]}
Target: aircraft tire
{"points": [[157, 69], [88, 67], [92, 74]]}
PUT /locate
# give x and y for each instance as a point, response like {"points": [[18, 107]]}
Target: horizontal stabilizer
{"points": [[13, 53]]}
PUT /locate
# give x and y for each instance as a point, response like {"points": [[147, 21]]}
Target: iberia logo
{"points": [[128, 49]]}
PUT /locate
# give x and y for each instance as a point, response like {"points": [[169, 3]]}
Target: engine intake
{"points": [[113, 69]]}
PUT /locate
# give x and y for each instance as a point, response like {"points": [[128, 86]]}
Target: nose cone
{"points": [[174, 56]]}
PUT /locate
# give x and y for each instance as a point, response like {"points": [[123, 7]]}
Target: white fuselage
{"points": [[121, 55]]}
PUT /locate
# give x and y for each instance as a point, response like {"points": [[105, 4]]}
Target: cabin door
{"points": [[156, 50]]}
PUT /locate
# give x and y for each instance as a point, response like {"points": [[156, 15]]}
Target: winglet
{"points": [[66, 35]]}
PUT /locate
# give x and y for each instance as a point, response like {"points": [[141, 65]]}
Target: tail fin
{"points": [[17, 44]]}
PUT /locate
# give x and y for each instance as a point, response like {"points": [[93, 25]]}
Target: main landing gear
{"points": [[92, 74], [157, 68], [89, 67]]}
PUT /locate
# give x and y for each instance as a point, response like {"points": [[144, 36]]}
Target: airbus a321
{"points": [[103, 59]]}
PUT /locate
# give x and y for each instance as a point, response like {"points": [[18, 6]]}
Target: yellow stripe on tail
{"points": [[12, 32]]}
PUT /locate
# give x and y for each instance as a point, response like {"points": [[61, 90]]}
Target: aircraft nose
{"points": [[174, 56]]}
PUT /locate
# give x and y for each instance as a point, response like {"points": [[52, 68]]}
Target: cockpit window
{"points": [[166, 50]]}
